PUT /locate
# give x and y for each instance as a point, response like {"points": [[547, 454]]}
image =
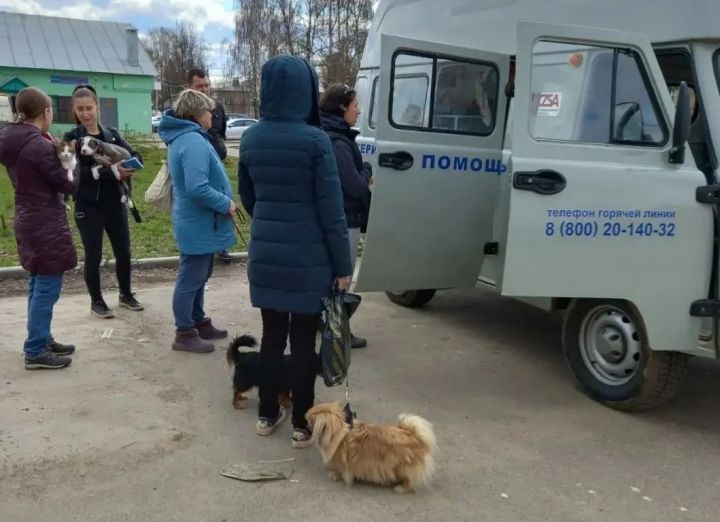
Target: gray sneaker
{"points": [[47, 360], [60, 348], [129, 302], [265, 427], [100, 310]]}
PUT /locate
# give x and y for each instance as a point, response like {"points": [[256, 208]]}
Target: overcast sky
{"points": [[212, 18]]}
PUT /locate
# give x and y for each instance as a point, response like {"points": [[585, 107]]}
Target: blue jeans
{"points": [[189, 295], [43, 293]]}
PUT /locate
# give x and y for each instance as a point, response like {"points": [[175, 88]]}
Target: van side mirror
{"points": [[681, 126]]}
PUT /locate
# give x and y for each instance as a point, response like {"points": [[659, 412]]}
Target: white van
{"points": [[547, 159]]}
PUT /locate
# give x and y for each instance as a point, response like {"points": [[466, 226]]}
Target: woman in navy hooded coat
{"points": [[289, 184]]}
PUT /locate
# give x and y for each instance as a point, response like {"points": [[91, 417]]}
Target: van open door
{"points": [[439, 137], [597, 208]]}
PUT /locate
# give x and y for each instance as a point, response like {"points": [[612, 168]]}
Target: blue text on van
{"points": [[460, 163]]}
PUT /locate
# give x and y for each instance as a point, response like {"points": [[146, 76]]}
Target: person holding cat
{"points": [[42, 232], [98, 206]]}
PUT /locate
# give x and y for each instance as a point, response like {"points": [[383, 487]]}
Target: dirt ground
{"points": [[134, 431]]}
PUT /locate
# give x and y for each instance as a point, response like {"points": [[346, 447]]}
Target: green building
{"points": [[56, 54]]}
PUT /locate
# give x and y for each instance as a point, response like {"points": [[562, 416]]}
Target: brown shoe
{"points": [[190, 341], [207, 331]]}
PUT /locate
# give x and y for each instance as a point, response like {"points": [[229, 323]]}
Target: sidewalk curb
{"points": [[18, 272]]}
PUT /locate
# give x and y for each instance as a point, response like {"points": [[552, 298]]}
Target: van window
{"points": [[410, 95], [716, 59], [374, 103], [462, 99], [594, 95], [363, 92]]}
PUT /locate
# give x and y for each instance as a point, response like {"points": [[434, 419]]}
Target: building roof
{"points": [[64, 44]]}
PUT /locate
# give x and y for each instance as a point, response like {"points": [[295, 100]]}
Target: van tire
{"points": [[611, 334], [411, 298]]}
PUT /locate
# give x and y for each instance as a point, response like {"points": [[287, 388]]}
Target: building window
{"points": [[62, 106]]}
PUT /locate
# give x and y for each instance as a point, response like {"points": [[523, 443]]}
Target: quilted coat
{"points": [[289, 184], [44, 240], [201, 188]]}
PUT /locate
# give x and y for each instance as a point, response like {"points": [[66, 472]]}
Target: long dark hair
{"points": [[336, 99]]}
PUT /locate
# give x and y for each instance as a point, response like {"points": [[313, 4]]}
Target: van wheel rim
{"points": [[610, 345]]}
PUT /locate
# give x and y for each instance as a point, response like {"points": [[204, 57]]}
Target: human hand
{"points": [[232, 209], [125, 173], [343, 283]]}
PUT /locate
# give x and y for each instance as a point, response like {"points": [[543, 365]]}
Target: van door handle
{"points": [[545, 182], [396, 160]]}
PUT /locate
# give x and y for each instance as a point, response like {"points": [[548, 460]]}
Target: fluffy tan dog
{"points": [[400, 455]]}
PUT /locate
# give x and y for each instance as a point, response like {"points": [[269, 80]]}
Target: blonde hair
{"points": [[191, 104]]}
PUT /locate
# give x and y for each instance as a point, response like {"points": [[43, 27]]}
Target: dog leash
{"points": [[350, 415], [243, 221]]}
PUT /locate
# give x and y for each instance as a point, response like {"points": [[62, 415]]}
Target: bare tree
{"points": [[174, 51], [253, 39], [342, 39], [329, 33]]}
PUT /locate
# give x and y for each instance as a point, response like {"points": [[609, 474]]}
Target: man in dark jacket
{"points": [[199, 81]]}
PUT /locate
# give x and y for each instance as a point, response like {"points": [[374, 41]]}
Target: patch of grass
{"points": [[151, 238]]}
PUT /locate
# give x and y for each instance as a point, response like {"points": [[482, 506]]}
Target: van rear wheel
{"points": [[606, 347], [411, 298]]}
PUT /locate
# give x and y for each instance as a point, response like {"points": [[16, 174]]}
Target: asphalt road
{"points": [[134, 431]]}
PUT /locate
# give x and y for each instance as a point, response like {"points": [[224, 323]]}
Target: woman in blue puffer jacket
{"points": [[290, 186], [202, 215]]}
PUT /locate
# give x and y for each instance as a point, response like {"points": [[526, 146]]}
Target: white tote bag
{"points": [[159, 193]]}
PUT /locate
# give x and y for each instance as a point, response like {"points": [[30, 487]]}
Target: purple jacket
{"points": [[44, 240]]}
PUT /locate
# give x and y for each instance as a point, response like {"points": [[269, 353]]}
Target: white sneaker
{"points": [[301, 438], [265, 427]]}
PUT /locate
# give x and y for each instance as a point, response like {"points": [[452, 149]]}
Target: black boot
{"points": [[357, 342]]}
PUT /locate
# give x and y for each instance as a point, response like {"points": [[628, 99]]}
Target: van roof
{"points": [[492, 24]]}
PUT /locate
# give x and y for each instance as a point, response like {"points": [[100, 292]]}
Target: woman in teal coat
{"points": [[202, 215]]}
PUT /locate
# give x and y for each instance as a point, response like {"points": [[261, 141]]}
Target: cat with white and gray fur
{"points": [[68, 158]]}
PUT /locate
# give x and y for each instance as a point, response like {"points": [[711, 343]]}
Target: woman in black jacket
{"points": [[340, 110], [98, 205]]}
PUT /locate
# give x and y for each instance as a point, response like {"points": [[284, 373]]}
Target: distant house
{"points": [[56, 54], [237, 98]]}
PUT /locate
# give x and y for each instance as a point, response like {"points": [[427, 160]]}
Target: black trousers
{"points": [[302, 330], [93, 219]]}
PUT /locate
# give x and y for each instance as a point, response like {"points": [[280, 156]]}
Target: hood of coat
{"points": [[337, 124], [13, 138], [289, 90], [171, 127]]}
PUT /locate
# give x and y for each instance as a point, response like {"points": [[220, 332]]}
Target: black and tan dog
{"points": [[246, 375]]}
